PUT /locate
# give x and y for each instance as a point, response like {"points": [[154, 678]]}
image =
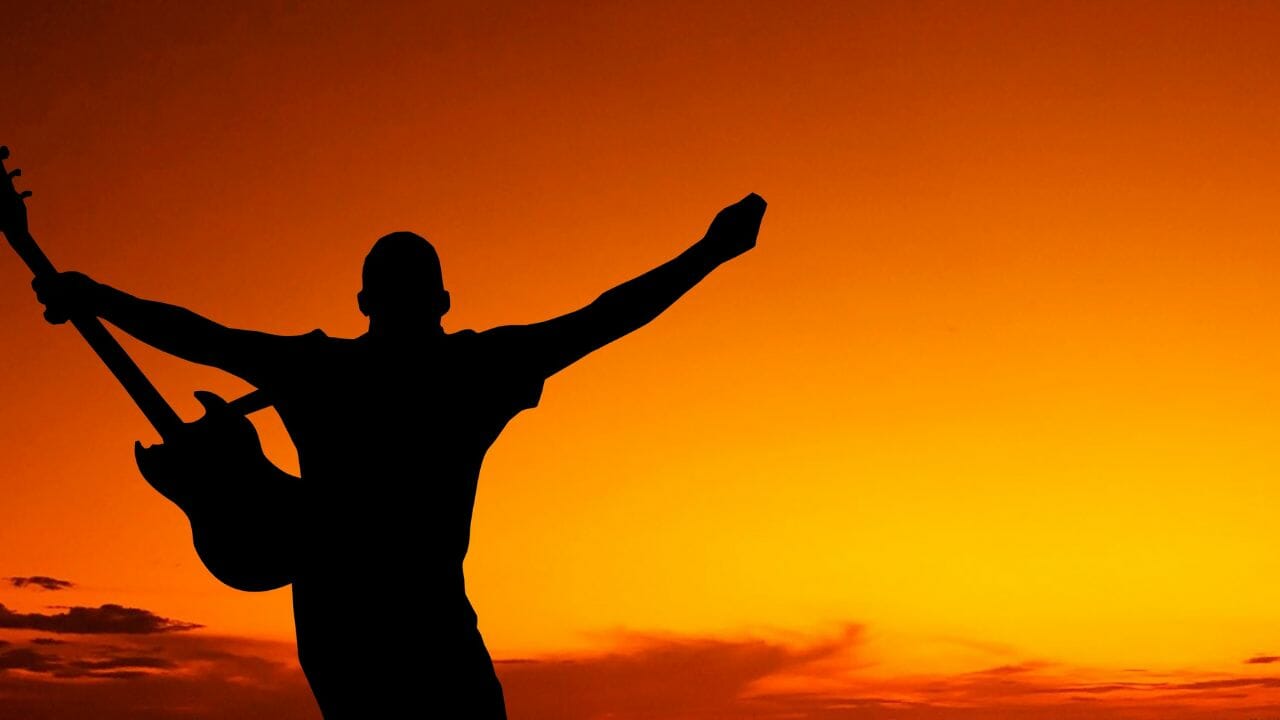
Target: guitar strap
{"points": [[251, 403]]}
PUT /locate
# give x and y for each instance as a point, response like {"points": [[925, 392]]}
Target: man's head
{"points": [[403, 285]]}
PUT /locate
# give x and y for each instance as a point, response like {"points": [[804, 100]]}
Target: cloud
{"points": [[27, 659], [118, 668], [155, 677], [87, 620], [1262, 659], [655, 676], [649, 678], [40, 582], [127, 661]]}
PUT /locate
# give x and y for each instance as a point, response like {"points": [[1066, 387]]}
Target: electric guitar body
{"points": [[239, 504]]}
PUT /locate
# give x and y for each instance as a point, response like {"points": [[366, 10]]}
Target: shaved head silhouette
{"points": [[403, 283]]}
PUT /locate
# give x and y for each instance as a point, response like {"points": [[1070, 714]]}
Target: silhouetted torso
{"points": [[390, 440]]}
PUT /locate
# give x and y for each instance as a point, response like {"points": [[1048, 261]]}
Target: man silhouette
{"points": [[391, 428]]}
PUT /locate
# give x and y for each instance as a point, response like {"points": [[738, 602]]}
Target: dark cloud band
{"points": [[104, 619], [40, 582]]}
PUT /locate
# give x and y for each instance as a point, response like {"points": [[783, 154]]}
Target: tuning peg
{"points": [[15, 172], [25, 194], [4, 152]]}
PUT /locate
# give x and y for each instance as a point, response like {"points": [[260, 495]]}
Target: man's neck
{"points": [[402, 334]]}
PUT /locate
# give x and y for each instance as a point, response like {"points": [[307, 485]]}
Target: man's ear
{"points": [[360, 302]]}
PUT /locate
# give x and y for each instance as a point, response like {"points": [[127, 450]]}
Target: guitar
{"points": [[240, 506]]}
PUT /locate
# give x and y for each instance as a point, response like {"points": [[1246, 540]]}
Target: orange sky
{"points": [[997, 385]]}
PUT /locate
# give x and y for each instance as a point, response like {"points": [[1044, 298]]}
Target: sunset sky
{"points": [[988, 424]]}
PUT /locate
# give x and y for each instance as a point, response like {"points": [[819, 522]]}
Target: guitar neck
{"points": [[144, 394]]}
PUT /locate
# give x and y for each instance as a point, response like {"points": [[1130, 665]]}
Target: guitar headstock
{"points": [[13, 206]]}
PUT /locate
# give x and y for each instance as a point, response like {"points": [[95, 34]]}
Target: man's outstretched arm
{"points": [[552, 345], [170, 328]]}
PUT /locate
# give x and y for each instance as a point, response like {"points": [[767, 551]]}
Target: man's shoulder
{"points": [[319, 337], [314, 342], [313, 338], [500, 344], [502, 336], [472, 347], [498, 354]]}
